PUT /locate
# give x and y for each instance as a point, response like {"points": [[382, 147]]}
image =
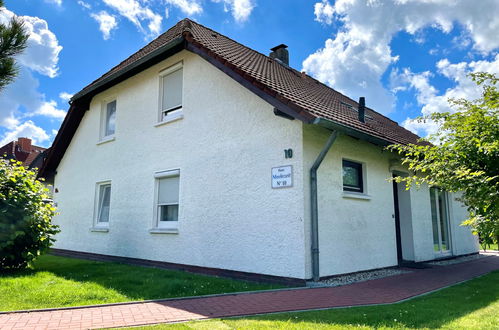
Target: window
{"points": [[440, 221], [108, 121], [352, 176], [103, 200], [167, 197], [171, 81]]}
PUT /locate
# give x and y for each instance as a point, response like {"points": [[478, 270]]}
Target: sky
{"points": [[407, 57]]}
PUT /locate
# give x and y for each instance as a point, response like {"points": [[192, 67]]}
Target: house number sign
{"points": [[282, 177]]}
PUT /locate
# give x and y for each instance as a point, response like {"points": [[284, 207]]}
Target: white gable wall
{"points": [[225, 147]]}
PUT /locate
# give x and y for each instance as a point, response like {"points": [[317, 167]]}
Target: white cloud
{"points": [[189, 7], [27, 129], [354, 60], [431, 100], [43, 48], [84, 4], [240, 9], [65, 96], [49, 109], [55, 2], [138, 14], [106, 22], [324, 12], [21, 100]]}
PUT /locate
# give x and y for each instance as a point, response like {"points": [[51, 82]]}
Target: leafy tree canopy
{"points": [[463, 156], [25, 216]]}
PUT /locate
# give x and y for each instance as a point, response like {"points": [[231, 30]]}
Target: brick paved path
{"points": [[385, 290]]}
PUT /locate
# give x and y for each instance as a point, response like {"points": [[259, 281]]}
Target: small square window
{"points": [[103, 201], [171, 82], [352, 176]]}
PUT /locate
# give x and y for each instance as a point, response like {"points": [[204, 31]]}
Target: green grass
{"points": [[489, 247], [471, 305], [60, 282]]}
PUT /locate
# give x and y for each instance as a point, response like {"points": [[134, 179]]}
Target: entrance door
{"points": [[440, 222], [397, 221]]}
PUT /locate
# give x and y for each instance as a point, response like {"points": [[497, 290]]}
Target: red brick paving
{"points": [[384, 290]]}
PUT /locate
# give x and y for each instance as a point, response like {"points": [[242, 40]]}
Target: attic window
{"points": [[171, 89]]}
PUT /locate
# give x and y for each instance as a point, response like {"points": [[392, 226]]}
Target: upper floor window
{"points": [[352, 176], [108, 118], [171, 81]]}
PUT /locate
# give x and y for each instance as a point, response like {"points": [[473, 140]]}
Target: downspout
{"points": [[314, 204]]}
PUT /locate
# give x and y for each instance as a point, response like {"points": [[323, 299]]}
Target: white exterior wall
{"points": [[462, 239], [354, 234], [225, 147], [360, 234]]}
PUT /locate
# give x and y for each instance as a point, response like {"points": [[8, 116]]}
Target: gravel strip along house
{"points": [[199, 153]]}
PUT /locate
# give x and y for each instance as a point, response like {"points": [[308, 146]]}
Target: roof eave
{"points": [[113, 78], [331, 125]]}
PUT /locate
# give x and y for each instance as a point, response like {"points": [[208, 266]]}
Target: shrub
{"points": [[25, 216]]}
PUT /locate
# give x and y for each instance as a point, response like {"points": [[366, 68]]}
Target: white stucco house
{"points": [[200, 153]]}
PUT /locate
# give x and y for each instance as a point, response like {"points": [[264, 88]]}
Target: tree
{"points": [[13, 40], [25, 216], [464, 156]]}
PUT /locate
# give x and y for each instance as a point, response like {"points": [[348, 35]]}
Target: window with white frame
{"points": [[103, 204], [167, 199], [171, 82], [108, 125]]}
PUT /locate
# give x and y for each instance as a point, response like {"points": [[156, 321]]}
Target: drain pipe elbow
{"points": [[315, 207]]}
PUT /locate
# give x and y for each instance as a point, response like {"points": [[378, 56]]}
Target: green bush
{"points": [[25, 216]]}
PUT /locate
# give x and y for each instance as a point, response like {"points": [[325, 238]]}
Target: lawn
{"points": [[490, 247], [471, 305], [60, 282]]}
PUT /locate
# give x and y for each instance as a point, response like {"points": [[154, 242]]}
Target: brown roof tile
{"points": [[291, 86]]}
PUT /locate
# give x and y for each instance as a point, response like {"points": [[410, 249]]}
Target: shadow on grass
{"points": [[137, 282], [432, 311]]}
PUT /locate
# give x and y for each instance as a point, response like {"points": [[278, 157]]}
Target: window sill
{"points": [[99, 229], [106, 140], [163, 231], [354, 195], [170, 119]]}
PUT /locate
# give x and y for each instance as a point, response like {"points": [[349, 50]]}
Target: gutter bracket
{"points": [[314, 205]]}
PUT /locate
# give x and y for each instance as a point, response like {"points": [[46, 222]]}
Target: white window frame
{"points": [[354, 194], [175, 113], [164, 226], [96, 223], [103, 120]]}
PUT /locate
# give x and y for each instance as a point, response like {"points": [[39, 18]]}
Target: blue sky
{"points": [[405, 56]]}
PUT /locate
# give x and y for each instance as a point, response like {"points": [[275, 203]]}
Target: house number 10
{"points": [[288, 153]]}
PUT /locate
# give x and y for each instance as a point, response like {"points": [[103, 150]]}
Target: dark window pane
{"points": [[168, 213], [352, 176]]}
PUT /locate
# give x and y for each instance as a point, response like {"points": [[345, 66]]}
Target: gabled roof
{"points": [[289, 90]]}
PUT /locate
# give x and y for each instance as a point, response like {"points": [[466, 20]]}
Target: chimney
{"points": [[24, 143], [280, 53], [362, 109]]}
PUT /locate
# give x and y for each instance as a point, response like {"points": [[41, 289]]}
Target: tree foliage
{"points": [[25, 216], [13, 40], [464, 156]]}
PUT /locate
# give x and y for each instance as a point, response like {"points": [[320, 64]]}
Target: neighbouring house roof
{"points": [[23, 151], [290, 91]]}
